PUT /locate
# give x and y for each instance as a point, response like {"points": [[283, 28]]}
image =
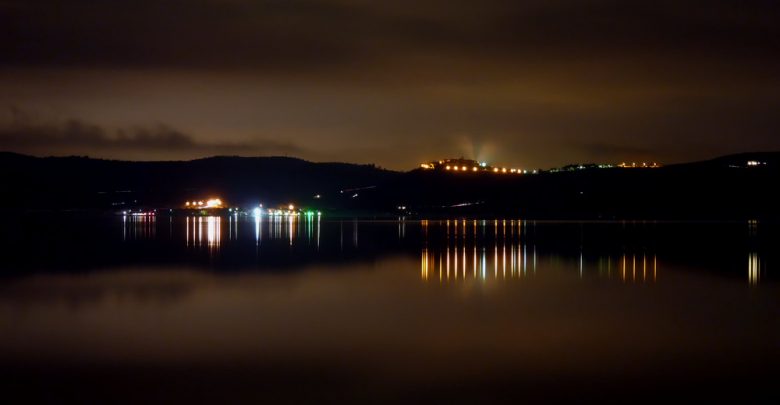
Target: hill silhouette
{"points": [[722, 188]]}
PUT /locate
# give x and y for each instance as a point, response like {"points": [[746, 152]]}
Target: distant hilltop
{"points": [[739, 186], [463, 165], [471, 166]]}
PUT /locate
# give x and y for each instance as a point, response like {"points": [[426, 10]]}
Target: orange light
{"points": [[214, 203], [463, 168], [455, 168], [495, 170], [503, 170], [448, 168], [473, 169]]}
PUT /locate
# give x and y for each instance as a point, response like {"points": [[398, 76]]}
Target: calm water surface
{"points": [[207, 309]]}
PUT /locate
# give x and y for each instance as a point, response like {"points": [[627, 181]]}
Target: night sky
{"points": [[535, 83]]}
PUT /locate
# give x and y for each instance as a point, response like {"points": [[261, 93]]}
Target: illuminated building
{"points": [[207, 204], [639, 165], [461, 165]]}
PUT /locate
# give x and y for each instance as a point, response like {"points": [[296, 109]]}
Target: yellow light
{"points": [[448, 168], [187, 203], [425, 166], [455, 168], [513, 170], [495, 170], [503, 170], [291, 207], [213, 203], [200, 202], [463, 168], [473, 169]]}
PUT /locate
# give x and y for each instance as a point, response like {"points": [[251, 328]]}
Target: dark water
{"points": [[228, 310]]}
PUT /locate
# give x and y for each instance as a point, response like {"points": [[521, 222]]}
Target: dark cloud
{"points": [[308, 35], [73, 136], [537, 82]]}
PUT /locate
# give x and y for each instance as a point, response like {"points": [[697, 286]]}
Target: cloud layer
{"points": [[537, 83], [74, 136]]}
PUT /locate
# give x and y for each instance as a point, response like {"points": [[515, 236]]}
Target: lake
{"points": [[308, 309]]}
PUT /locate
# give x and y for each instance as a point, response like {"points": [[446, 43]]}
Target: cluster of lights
{"points": [[755, 163], [476, 169], [463, 165], [211, 203], [140, 214], [646, 165], [289, 211]]}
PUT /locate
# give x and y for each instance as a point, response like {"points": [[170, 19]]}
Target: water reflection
{"points": [[553, 308], [509, 252], [205, 231], [459, 249], [138, 227], [754, 259], [754, 268], [210, 230], [511, 261]]}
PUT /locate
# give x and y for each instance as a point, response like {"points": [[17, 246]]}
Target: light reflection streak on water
{"points": [[509, 256], [258, 230], [208, 231], [139, 227], [451, 264], [754, 268]]}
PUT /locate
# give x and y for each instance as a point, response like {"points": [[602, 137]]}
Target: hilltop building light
{"points": [[465, 165], [633, 165]]}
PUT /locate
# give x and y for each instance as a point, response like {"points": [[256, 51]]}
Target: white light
{"points": [[257, 211]]}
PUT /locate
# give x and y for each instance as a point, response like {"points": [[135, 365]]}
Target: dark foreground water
{"points": [[229, 310]]}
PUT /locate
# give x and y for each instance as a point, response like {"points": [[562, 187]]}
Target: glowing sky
{"points": [[533, 83]]}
